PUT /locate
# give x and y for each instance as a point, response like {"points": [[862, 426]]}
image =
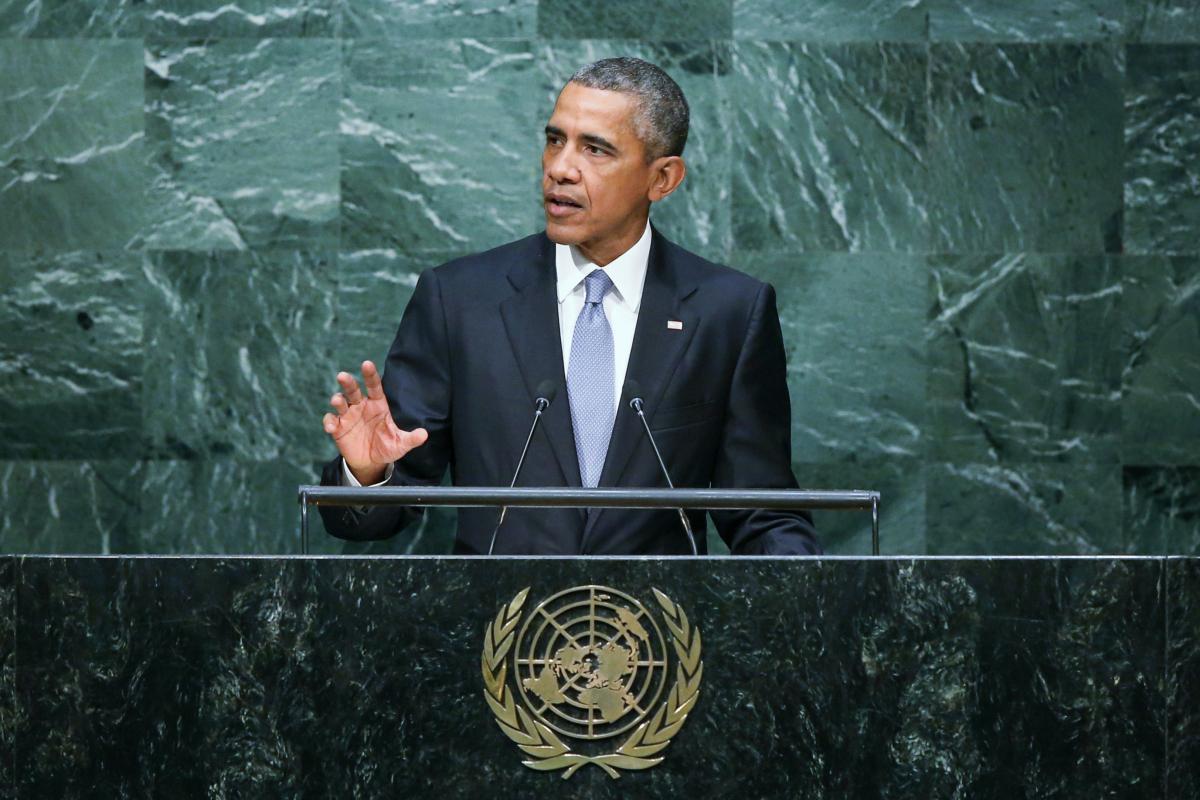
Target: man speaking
{"points": [[596, 310]]}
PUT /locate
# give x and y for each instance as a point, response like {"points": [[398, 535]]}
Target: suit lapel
{"points": [[531, 321], [652, 360]]}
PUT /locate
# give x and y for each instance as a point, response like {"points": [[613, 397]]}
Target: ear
{"points": [[666, 174]]}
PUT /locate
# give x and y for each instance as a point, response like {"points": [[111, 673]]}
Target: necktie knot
{"points": [[597, 283]]}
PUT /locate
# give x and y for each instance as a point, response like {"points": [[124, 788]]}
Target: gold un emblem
{"points": [[595, 680]]}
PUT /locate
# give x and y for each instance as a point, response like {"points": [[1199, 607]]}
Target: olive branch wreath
{"points": [[546, 750]]}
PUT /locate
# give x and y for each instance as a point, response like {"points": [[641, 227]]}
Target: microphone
{"points": [[545, 395], [632, 387]]}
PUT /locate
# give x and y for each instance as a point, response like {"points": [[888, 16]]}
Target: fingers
{"points": [[330, 423], [372, 381], [349, 388], [339, 403]]}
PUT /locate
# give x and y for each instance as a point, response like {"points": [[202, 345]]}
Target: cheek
{"points": [[616, 194], [605, 188]]}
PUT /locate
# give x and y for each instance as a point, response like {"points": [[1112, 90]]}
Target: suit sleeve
{"points": [[416, 380], [756, 446]]}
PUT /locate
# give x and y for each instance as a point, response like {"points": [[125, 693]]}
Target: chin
{"points": [[563, 234]]}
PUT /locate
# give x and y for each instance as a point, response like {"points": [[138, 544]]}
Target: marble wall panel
{"points": [[67, 506], [1026, 20], [831, 147], [243, 141], [1071, 509], [853, 331], [1160, 391], [1162, 509], [238, 354], [830, 141], [811, 20], [831, 20], [454, 19], [439, 145], [1025, 148], [205, 19], [59, 19], [1162, 21], [71, 144], [374, 287], [70, 355], [635, 19], [216, 506], [1024, 359], [1162, 144], [696, 215], [1183, 677], [164, 678]]}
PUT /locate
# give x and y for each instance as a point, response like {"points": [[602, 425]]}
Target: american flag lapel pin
{"points": [[674, 325]]}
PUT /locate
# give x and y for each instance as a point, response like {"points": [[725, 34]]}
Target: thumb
{"points": [[415, 438], [411, 440]]}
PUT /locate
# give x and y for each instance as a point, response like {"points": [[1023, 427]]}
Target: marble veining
{"points": [[833, 147], [1160, 380], [1162, 116], [1047, 388], [72, 143], [1025, 147], [243, 144]]}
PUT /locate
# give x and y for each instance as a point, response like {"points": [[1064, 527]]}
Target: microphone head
{"points": [[633, 390], [546, 390]]}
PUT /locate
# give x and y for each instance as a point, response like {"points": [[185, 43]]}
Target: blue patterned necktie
{"points": [[590, 381]]}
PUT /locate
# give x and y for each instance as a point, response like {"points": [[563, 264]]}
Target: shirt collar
{"points": [[627, 271]]}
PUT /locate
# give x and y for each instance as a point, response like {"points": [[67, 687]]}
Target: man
{"points": [[600, 298]]}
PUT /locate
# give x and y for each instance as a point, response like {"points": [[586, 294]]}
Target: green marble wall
{"points": [[982, 218]]}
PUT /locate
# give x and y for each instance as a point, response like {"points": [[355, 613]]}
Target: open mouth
{"points": [[561, 206]]}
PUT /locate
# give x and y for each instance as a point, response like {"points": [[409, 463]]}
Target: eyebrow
{"points": [[589, 138]]}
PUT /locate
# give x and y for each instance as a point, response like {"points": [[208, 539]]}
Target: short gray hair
{"points": [[661, 119]]}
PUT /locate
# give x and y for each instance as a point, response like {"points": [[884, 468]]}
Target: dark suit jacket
{"points": [[481, 333]]}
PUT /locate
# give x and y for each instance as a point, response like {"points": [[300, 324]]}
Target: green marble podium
{"points": [[834, 677]]}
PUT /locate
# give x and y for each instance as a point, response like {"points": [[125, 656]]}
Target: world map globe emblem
{"points": [[590, 662]]}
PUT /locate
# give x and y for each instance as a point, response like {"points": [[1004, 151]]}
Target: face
{"points": [[596, 183]]}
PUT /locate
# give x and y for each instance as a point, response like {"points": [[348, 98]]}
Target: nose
{"points": [[560, 165]]}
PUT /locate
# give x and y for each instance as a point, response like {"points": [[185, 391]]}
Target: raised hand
{"points": [[363, 429]]}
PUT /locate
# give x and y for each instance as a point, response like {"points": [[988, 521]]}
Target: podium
{"points": [[821, 677]]}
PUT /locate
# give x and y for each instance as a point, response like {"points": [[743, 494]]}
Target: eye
{"points": [[591, 148]]}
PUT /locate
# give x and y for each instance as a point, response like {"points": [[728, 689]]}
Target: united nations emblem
{"points": [[590, 665]]}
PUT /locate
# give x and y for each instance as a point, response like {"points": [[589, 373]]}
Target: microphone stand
{"points": [[540, 405], [636, 405]]}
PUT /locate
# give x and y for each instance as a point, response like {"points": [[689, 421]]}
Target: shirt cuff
{"points": [[348, 478]]}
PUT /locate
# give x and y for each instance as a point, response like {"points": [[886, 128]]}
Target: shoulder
{"points": [[494, 263], [716, 282]]}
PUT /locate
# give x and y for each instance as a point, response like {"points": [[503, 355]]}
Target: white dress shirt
{"points": [[621, 304]]}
